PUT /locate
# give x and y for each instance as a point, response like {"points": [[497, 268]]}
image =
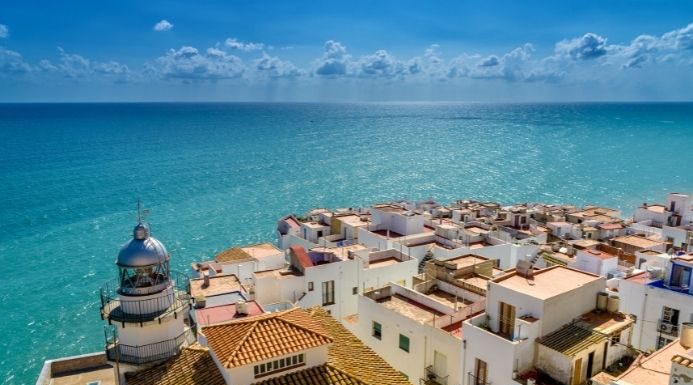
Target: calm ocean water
{"points": [[215, 175]]}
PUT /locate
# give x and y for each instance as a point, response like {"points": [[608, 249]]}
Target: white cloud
{"points": [[234, 43], [589, 46], [188, 63], [334, 60], [163, 25], [274, 67], [12, 63], [4, 32]]}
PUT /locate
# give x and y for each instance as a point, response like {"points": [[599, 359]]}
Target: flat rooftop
{"points": [[637, 241], [219, 314], [410, 308], [383, 262], [261, 250], [448, 299], [218, 284], [654, 369], [465, 261], [546, 283]]}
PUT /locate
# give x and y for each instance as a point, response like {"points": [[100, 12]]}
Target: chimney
{"points": [[205, 277], [686, 335]]}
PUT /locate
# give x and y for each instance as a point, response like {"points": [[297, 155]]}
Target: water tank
{"points": [[601, 301], [242, 307], [612, 304], [687, 335]]}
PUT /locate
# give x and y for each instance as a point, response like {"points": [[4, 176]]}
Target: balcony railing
{"points": [[144, 354], [432, 378], [113, 308], [474, 380], [668, 328]]}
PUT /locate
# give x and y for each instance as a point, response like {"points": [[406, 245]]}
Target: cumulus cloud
{"points": [[4, 32], [188, 63], [12, 63], [163, 25], [274, 67], [234, 43], [75, 66], [589, 46], [334, 60]]}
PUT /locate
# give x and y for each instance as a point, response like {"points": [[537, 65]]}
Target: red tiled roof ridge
{"points": [[229, 360]]}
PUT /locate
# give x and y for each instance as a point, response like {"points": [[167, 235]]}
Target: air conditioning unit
{"points": [[666, 328]]}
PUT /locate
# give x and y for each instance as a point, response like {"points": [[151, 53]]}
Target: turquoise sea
{"points": [[215, 175]]}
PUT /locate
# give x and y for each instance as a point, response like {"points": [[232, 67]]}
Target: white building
{"points": [[660, 306], [332, 277], [529, 317], [418, 332]]}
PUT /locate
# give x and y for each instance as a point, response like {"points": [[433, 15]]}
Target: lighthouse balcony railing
{"points": [[144, 354], [116, 307]]}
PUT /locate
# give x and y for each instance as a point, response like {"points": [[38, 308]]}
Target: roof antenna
{"points": [[139, 211]]}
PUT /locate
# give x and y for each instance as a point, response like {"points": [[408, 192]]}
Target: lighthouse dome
{"points": [[142, 250]]}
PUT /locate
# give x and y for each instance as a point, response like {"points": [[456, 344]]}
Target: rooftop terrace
{"points": [[546, 283]]}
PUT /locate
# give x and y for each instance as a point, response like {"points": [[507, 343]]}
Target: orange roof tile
{"points": [[192, 366], [265, 336]]}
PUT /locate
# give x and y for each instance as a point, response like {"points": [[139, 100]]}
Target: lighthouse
{"points": [[146, 306]]}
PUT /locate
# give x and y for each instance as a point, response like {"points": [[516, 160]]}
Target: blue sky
{"points": [[346, 51]]}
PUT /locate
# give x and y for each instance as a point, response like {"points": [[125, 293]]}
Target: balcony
{"points": [[665, 327], [114, 308], [144, 354], [432, 378], [474, 380]]}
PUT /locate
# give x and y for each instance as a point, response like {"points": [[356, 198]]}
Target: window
{"points": [[404, 343], [279, 365], [670, 315], [354, 290], [328, 293], [310, 286], [661, 342], [377, 330], [480, 372], [616, 338]]}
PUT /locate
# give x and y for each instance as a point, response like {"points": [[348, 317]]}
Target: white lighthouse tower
{"points": [[146, 306]]}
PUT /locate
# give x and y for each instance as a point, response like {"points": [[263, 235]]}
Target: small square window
{"points": [[294, 360], [275, 365], [256, 369], [404, 343], [377, 330], [355, 290], [310, 286], [300, 358], [282, 363]]}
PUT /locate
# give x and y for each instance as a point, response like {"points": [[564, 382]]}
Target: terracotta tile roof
{"points": [[301, 255], [350, 356], [245, 341], [318, 375], [192, 366], [233, 254]]}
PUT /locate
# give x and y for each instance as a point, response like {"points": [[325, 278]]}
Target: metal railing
{"points": [[474, 380], [144, 354], [114, 308], [433, 378]]}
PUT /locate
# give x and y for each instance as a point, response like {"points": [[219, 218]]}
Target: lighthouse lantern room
{"points": [[146, 306]]}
